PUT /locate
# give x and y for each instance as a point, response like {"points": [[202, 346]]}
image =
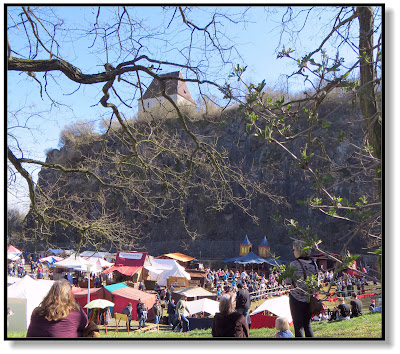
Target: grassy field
{"points": [[366, 326]]}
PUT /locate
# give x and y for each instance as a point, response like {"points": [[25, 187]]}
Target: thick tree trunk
{"points": [[367, 77], [367, 95]]}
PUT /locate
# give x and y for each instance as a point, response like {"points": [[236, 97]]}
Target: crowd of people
{"points": [[226, 280], [18, 268], [234, 289]]}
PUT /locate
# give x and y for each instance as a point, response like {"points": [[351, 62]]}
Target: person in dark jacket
{"points": [[229, 323], [298, 295], [242, 300], [157, 311], [171, 312], [127, 310], [342, 310], [141, 313], [356, 306]]}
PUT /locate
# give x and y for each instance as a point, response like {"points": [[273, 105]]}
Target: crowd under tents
{"points": [[23, 297]]}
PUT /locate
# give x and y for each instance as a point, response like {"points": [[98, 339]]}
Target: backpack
{"points": [[315, 304]]}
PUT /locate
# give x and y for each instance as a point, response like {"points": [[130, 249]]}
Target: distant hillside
{"points": [[221, 232]]}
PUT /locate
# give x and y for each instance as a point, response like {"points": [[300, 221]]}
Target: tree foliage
{"points": [[285, 119]]}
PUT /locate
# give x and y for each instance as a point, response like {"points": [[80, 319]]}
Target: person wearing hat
{"points": [[372, 306]]}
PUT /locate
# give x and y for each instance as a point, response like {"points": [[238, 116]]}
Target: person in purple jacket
{"points": [[58, 315]]}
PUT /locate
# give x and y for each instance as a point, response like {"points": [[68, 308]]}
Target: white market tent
{"points": [[279, 306], [23, 297], [203, 305], [12, 280], [195, 292], [102, 255], [100, 262], [177, 272], [12, 256], [13, 253], [73, 261], [158, 267]]}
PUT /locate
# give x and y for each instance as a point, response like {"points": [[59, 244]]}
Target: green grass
{"points": [[367, 326]]}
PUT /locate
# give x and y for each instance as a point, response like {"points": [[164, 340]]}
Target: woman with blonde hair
{"points": [[229, 323], [58, 315], [282, 326]]}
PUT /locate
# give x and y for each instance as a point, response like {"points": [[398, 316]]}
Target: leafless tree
{"points": [[153, 170]]}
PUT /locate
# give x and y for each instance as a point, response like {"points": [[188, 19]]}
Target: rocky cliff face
{"points": [[221, 232]]}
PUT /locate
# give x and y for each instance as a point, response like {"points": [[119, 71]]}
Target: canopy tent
{"points": [[103, 255], [203, 305], [99, 304], [177, 256], [129, 263], [23, 297], [12, 249], [73, 261], [252, 258], [13, 253], [195, 292], [51, 259], [54, 251], [123, 295], [177, 274], [100, 262], [113, 287], [93, 265], [279, 306], [81, 297], [159, 266], [12, 256]]}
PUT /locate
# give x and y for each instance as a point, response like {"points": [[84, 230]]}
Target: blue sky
{"points": [[256, 41]]}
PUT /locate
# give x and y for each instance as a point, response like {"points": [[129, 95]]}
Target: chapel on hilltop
{"points": [[174, 87]]}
